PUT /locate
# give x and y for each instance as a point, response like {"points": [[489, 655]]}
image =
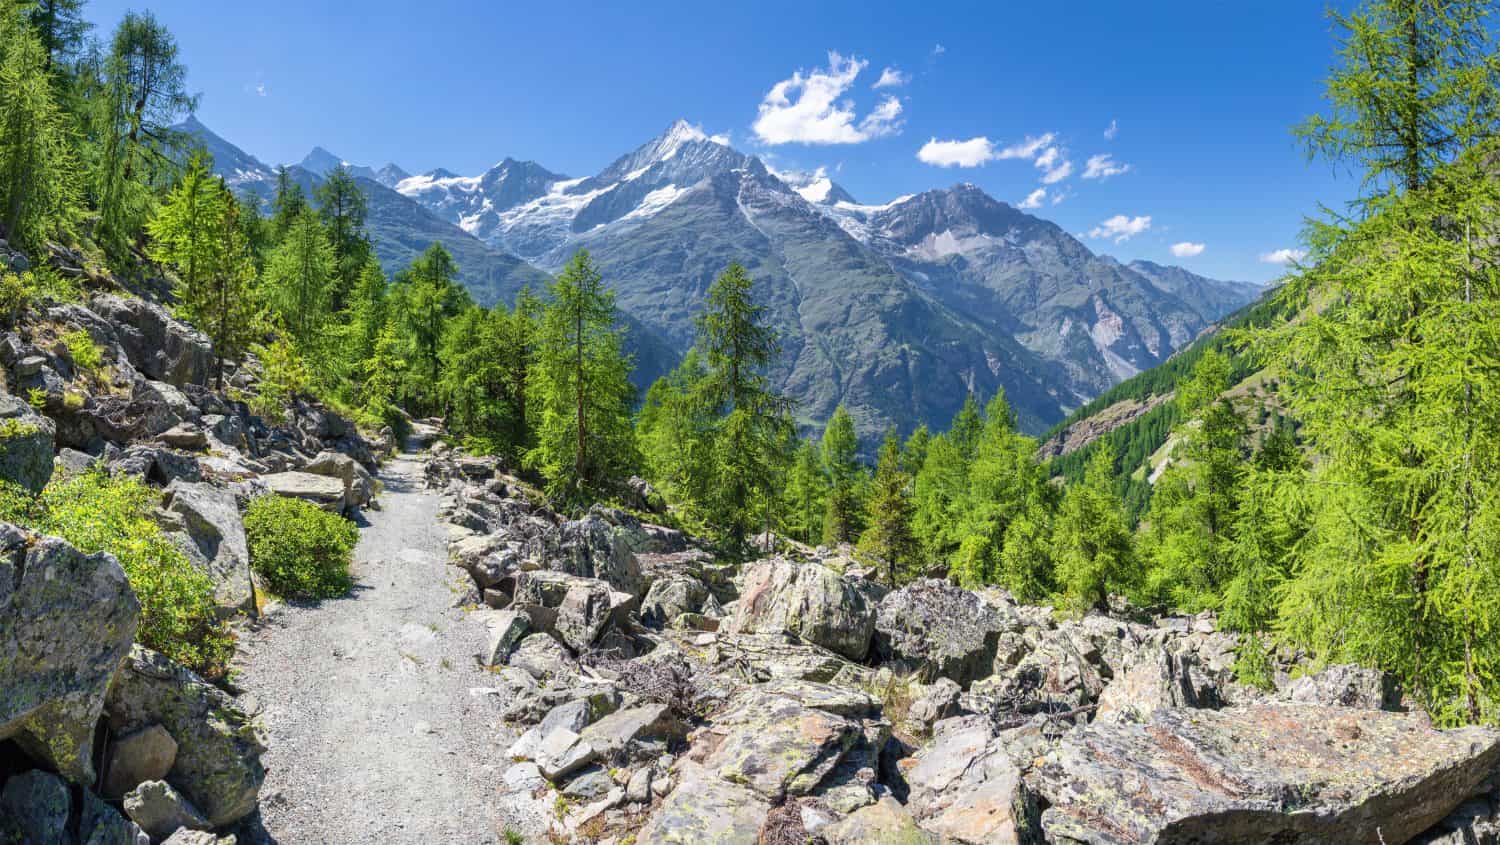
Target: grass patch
{"points": [[299, 549]]}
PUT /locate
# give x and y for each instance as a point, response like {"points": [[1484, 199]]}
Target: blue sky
{"points": [[1201, 95]]}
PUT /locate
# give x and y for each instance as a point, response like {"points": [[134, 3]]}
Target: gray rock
{"points": [[210, 518], [594, 548], [218, 755], [185, 436], [885, 822], [327, 493], [806, 600], [935, 629], [136, 757], [1161, 679], [101, 824], [358, 486], [562, 752], [160, 346], [584, 612], [505, 628], [1345, 686], [26, 441], [615, 733], [670, 597], [933, 702], [198, 837], [35, 805], [161, 810], [1289, 773], [66, 623], [638, 788], [591, 784], [705, 808], [542, 656]]}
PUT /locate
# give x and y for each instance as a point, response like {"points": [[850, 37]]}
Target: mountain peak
{"points": [[320, 161]]}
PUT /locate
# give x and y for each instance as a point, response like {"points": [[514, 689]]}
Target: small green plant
{"points": [[1254, 665], [12, 427], [300, 550], [97, 513], [37, 397], [514, 837], [86, 354], [19, 290]]}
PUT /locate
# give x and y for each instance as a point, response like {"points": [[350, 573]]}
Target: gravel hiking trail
{"points": [[375, 728]]}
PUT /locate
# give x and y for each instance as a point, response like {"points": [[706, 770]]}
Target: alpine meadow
{"points": [[694, 500]]}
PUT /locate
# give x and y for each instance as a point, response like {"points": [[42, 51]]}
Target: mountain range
{"points": [[896, 311]]}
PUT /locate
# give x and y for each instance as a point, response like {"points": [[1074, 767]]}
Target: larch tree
{"points": [[581, 388], [1091, 540], [38, 171], [888, 513], [342, 206], [844, 512], [60, 27], [298, 279]]}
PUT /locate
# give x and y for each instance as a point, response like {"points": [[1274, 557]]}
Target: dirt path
{"points": [[374, 734]]}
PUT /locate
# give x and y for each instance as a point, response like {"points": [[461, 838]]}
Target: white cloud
{"points": [[1103, 166], [1034, 199], [970, 153], [260, 89], [938, 49], [1058, 198], [1121, 228], [807, 109], [891, 78], [1027, 149], [1188, 249], [1283, 256], [1112, 130]]}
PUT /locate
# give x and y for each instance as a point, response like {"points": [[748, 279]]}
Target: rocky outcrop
{"points": [[321, 490], [1258, 774], [217, 766], [808, 601], [158, 345], [66, 623], [37, 808]]}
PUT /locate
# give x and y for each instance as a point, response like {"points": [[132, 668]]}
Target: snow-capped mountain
{"points": [[895, 310]]}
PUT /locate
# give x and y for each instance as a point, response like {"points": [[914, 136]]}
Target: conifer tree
{"points": [[430, 296], [60, 27], [806, 497], [942, 481], [676, 430], [342, 206], [298, 278], [738, 346], [846, 478], [888, 513], [287, 205], [1091, 540], [581, 388], [38, 175], [1004, 480]]}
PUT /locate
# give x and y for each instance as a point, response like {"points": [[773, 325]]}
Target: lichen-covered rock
{"points": [[670, 597], [161, 810], [583, 613], [34, 808], [542, 656], [885, 822], [160, 346], [321, 490], [806, 600], [66, 622], [136, 757], [505, 629], [1345, 686], [218, 749], [935, 629], [26, 440], [209, 518], [591, 547], [706, 808], [965, 787], [358, 486], [1288, 773], [1159, 680]]}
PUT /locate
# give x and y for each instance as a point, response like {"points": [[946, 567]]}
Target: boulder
{"points": [[34, 808], [155, 464], [670, 597], [808, 601], [185, 436], [209, 519], [933, 702], [706, 808], [885, 822], [1345, 686], [66, 622], [1290, 773], [777, 745], [593, 548], [160, 346], [26, 440], [505, 628], [218, 749], [583, 613], [965, 787], [136, 757], [542, 657], [161, 810], [1159, 680], [321, 490], [937, 630], [101, 824], [616, 732], [358, 485]]}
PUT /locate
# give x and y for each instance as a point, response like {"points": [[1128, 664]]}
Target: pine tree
{"points": [[806, 497], [888, 515], [942, 481], [473, 380], [38, 175], [846, 479], [676, 429], [429, 297], [1004, 480], [581, 387], [298, 278], [1091, 540], [342, 207]]}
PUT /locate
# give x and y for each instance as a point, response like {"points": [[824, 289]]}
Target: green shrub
{"points": [[19, 290], [86, 354], [97, 513], [298, 549]]}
